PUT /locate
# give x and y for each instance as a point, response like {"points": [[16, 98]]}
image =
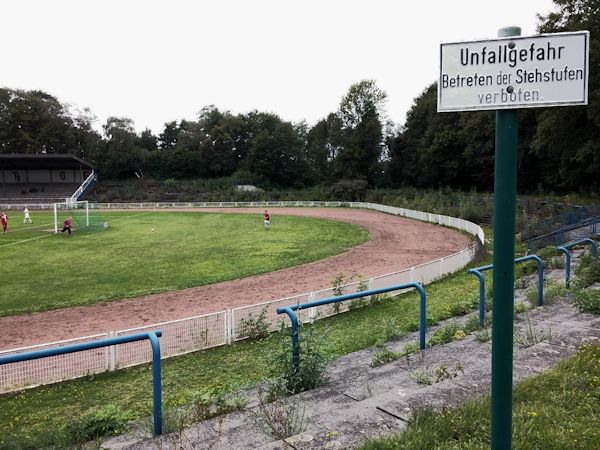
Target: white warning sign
{"points": [[515, 72]]}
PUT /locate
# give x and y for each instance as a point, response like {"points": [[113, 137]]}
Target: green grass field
{"points": [[153, 251]]}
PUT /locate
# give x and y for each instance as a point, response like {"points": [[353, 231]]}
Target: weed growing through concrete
{"points": [[472, 324], [587, 273], [423, 376], [384, 355], [443, 335], [521, 307], [444, 373], [281, 417], [532, 336], [483, 335], [553, 290], [587, 301], [328, 436]]}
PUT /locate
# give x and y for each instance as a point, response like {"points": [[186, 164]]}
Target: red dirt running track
{"points": [[396, 243]]}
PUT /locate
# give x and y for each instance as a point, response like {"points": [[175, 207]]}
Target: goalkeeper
{"points": [[67, 225]]}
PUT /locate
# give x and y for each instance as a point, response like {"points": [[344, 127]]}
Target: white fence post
{"points": [[112, 353], [312, 312], [229, 331]]}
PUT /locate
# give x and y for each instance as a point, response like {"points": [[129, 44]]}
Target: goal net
{"points": [[82, 216]]}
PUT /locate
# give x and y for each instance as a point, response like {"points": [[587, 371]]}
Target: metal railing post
{"points": [[567, 265], [156, 383], [291, 312], [156, 372], [295, 345], [479, 275], [564, 248], [540, 265], [477, 271]]}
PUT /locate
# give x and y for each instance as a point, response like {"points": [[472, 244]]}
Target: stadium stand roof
{"points": [[22, 161]]}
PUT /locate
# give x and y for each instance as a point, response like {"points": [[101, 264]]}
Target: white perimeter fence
{"points": [[212, 330]]}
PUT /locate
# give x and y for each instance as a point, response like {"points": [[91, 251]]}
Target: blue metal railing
{"points": [[564, 248], [544, 226], [156, 376], [477, 272], [291, 312], [558, 235]]}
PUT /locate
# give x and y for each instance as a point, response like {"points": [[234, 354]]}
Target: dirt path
{"points": [[396, 243]]}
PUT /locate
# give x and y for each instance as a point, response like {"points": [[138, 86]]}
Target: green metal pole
{"points": [[505, 193]]}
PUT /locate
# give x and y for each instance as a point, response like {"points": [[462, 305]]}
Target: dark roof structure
{"points": [[32, 161]]}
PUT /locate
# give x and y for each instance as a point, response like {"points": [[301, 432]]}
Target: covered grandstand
{"points": [[35, 179]]}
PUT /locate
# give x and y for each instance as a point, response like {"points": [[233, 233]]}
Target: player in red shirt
{"points": [[67, 225], [267, 219], [3, 221]]}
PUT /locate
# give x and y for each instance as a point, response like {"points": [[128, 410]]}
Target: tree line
{"points": [[258, 147], [558, 146]]}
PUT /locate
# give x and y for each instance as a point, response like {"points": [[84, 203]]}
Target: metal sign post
{"points": [[505, 195], [503, 75]]}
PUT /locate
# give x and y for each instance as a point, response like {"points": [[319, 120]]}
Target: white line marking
{"points": [[32, 228], [27, 240]]}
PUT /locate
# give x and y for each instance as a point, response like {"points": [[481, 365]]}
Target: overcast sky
{"points": [[158, 61]]}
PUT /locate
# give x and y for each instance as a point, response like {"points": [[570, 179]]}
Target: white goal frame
{"points": [[70, 205]]}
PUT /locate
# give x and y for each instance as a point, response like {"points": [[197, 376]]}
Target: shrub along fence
{"points": [[224, 327]]}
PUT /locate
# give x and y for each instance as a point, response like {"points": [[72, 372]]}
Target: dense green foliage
{"points": [[129, 258], [558, 146]]}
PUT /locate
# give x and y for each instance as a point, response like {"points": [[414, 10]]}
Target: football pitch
{"points": [[146, 252]]}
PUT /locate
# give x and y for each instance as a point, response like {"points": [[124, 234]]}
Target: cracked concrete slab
{"points": [[348, 428], [443, 394]]}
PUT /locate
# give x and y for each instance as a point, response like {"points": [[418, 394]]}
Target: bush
{"points": [[520, 308], [483, 335], [460, 308], [472, 324], [391, 330], [431, 321], [443, 335], [280, 417], [108, 420], [470, 210], [587, 301], [311, 369], [413, 325], [349, 190], [526, 268], [337, 284], [588, 272], [255, 327], [383, 356], [410, 348]]}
